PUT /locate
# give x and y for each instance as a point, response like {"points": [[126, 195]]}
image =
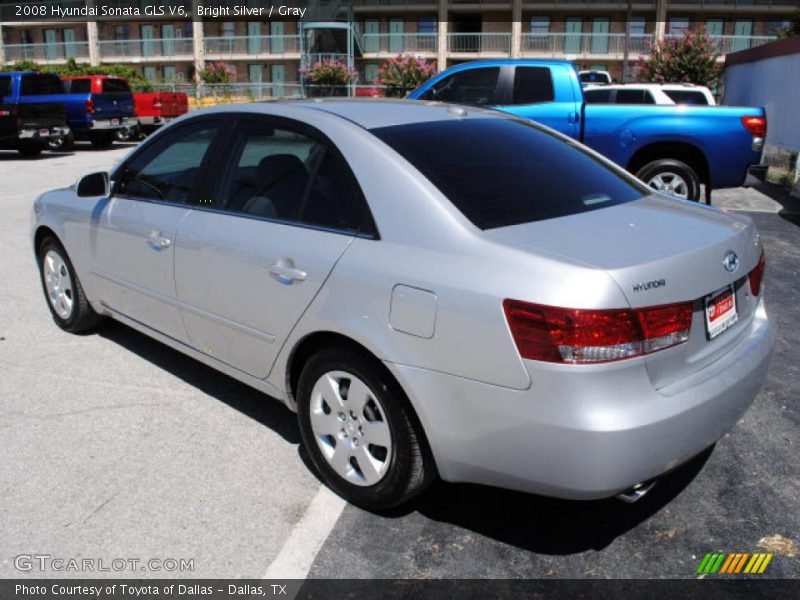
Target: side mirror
{"points": [[93, 185]]}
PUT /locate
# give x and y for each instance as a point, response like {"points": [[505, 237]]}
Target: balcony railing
{"points": [[421, 43], [619, 4], [716, 4], [358, 3], [146, 48], [725, 44], [253, 44], [46, 52], [584, 44], [492, 43]]}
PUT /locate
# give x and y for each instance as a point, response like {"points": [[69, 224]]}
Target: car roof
{"points": [[369, 113]]}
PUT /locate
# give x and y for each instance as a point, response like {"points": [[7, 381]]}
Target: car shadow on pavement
{"points": [[790, 205], [268, 411], [548, 525]]}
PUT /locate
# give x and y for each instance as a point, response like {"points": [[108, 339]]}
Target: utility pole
{"points": [[627, 42]]}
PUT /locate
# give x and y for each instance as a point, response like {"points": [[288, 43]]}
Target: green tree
{"points": [[690, 58], [71, 67], [793, 28]]}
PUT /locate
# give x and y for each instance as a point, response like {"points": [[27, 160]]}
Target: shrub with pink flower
{"points": [[688, 58], [403, 74], [218, 72], [329, 71]]}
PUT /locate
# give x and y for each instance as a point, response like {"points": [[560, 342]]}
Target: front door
{"points": [[572, 39], [69, 43], [277, 74], [372, 27], [600, 27], [277, 32], [50, 49], [132, 238], [148, 45], [397, 28], [168, 39], [282, 213], [253, 37], [742, 32]]}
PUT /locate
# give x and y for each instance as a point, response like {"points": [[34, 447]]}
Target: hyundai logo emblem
{"points": [[731, 261]]}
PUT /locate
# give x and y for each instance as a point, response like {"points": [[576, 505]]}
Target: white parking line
{"points": [[300, 549]]}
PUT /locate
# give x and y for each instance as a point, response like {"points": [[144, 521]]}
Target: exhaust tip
{"points": [[636, 493]]}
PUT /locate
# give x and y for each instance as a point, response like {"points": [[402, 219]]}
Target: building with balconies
{"points": [[594, 34]]}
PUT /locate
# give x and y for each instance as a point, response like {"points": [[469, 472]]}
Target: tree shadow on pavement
{"points": [[258, 406], [549, 525]]}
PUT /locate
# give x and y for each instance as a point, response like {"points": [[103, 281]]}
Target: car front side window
{"points": [[475, 87], [168, 171]]}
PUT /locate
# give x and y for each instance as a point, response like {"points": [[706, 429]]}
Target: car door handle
{"points": [[158, 241], [285, 271]]}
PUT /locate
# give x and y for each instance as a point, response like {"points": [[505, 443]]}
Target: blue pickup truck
{"points": [[91, 116], [30, 117], [674, 149]]}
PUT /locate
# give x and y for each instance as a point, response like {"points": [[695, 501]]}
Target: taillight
{"points": [[757, 126], [756, 276], [568, 335], [156, 103], [89, 106]]}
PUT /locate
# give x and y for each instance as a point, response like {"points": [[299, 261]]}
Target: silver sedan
{"points": [[437, 291]]}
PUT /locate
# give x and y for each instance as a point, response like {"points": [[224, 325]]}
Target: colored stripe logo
{"points": [[734, 563]]}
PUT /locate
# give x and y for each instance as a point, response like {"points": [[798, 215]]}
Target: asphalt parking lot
{"points": [[114, 446]]}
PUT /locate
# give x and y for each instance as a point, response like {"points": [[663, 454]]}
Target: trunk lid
{"points": [[113, 105], [659, 251], [46, 115]]}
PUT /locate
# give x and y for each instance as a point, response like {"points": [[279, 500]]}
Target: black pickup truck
{"points": [[29, 120]]}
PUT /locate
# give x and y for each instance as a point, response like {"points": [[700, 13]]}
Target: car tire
{"points": [[31, 150], [63, 144], [62, 289], [671, 177], [103, 141], [128, 134], [383, 457]]}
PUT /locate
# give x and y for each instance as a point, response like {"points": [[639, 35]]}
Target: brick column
{"points": [[443, 22], [93, 39], [516, 29], [199, 47], [2, 47], [661, 20]]}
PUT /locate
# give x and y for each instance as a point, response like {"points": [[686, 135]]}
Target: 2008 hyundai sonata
{"points": [[437, 291]]}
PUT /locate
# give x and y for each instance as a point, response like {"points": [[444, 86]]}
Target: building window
{"points": [[715, 26], [678, 25], [228, 29], [370, 73], [637, 26], [776, 26], [121, 32], [427, 25], [151, 74], [26, 36], [540, 26]]}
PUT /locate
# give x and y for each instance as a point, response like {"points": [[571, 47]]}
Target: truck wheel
{"points": [[103, 141], [671, 177], [360, 430], [63, 144]]}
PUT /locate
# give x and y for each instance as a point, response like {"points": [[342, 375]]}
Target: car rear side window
{"points": [[41, 85], [533, 85], [115, 86], [597, 96], [681, 97], [477, 87], [501, 172], [635, 97], [5, 86], [79, 86], [281, 173]]}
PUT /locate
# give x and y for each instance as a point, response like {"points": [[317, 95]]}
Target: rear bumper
{"points": [[155, 121], [584, 433], [109, 124]]}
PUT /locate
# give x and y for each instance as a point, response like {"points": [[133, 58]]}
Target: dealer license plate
{"points": [[721, 311]]}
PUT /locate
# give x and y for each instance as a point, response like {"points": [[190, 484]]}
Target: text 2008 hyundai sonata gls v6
{"points": [[437, 290]]}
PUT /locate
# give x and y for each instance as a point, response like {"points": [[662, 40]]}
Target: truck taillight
{"points": [[89, 106], [756, 276], [757, 126], [156, 103], [578, 336]]}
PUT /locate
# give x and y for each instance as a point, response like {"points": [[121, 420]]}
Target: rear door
{"points": [[133, 231], [250, 259], [530, 92]]}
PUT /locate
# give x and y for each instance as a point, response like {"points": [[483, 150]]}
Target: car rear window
{"points": [[594, 77], [79, 86], [635, 97], [687, 97], [40, 85], [500, 172], [111, 86]]}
